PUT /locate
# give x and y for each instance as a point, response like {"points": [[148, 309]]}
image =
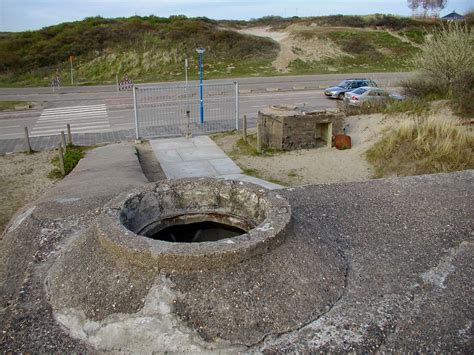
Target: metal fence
{"points": [[175, 110]]}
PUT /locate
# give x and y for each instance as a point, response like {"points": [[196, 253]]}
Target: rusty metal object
{"points": [[343, 141]]}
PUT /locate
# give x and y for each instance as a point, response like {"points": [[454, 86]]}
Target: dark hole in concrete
{"points": [[206, 231]]}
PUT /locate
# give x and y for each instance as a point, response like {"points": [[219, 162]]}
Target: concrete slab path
{"points": [[199, 157]]}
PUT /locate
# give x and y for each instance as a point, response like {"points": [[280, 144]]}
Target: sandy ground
{"points": [[320, 165], [292, 48], [22, 178]]}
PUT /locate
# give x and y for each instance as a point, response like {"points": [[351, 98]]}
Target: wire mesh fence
{"points": [[175, 110]]}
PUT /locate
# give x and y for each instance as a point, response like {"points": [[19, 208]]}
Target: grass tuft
{"points": [[423, 145], [71, 158]]}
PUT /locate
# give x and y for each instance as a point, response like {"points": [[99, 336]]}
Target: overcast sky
{"points": [[21, 15]]}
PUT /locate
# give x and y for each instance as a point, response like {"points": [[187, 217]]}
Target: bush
{"points": [[423, 145], [421, 88], [469, 18], [447, 57]]}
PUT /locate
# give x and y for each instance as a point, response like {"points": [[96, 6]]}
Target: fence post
{"points": [[61, 160], [135, 111], [63, 140], [237, 105], [117, 83], [259, 136], [188, 128], [245, 128], [69, 134], [27, 141]]}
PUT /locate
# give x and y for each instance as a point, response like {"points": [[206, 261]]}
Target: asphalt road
{"points": [[92, 109]]}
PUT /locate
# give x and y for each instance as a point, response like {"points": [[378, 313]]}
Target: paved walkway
{"points": [[198, 157], [15, 145]]}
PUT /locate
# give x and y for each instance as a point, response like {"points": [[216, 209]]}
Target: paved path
{"points": [[199, 157]]}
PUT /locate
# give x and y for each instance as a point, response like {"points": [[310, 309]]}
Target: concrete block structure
{"points": [[291, 128]]}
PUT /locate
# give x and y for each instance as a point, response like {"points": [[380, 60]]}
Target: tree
{"points": [[426, 6], [413, 5]]}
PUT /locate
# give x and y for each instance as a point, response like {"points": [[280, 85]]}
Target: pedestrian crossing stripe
{"points": [[82, 119]]}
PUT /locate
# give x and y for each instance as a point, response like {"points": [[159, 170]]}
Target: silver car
{"points": [[370, 94], [337, 92]]}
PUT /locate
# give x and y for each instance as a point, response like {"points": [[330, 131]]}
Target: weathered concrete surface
{"points": [[393, 257], [39, 231]]}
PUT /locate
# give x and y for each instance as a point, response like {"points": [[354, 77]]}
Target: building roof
{"points": [[453, 16]]}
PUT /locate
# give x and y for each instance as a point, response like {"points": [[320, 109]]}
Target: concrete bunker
{"points": [[286, 127], [239, 288], [194, 222]]}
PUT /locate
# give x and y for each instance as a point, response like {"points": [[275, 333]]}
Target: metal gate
{"points": [[175, 110]]}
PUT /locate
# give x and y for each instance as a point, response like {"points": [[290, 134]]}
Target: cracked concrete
{"points": [[378, 266]]}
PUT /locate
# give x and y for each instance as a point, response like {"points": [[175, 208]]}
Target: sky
{"points": [[22, 15]]}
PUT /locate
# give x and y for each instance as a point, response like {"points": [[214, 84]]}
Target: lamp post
{"points": [[200, 51]]}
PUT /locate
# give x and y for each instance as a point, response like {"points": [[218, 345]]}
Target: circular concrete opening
{"points": [[189, 223], [195, 228]]}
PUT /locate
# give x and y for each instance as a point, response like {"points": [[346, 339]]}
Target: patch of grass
{"points": [[414, 106], [292, 173], [250, 172], [217, 136], [423, 145], [10, 105], [411, 106], [415, 35], [72, 156]]}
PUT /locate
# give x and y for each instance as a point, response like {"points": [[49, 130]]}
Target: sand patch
{"points": [[320, 165], [22, 178]]}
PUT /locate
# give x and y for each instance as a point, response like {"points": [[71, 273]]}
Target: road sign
{"points": [[126, 83]]}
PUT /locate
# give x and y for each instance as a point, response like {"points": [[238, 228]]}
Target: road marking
{"points": [[83, 119], [10, 127]]}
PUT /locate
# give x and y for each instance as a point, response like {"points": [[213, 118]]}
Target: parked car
{"points": [[365, 94], [337, 92]]}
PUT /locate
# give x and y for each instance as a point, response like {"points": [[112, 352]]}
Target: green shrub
{"points": [[447, 57]]}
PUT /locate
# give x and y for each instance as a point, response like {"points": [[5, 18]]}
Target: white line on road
{"points": [[75, 117], [83, 119], [87, 107]]}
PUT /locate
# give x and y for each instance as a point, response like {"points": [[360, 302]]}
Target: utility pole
{"points": [[201, 51], [187, 95]]}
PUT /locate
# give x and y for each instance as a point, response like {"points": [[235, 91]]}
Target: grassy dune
{"points": [[154, 48]]}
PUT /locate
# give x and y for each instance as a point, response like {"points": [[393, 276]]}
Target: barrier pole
{"points": [[135, 111]]}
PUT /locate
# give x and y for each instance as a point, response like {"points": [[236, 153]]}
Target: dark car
{"points": [[337, 92]]}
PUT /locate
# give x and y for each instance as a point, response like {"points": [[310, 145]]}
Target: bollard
{"points": [[245, 129], [27, 142], [61, 160], [63, 141], [69, 135], [259, 137]]}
